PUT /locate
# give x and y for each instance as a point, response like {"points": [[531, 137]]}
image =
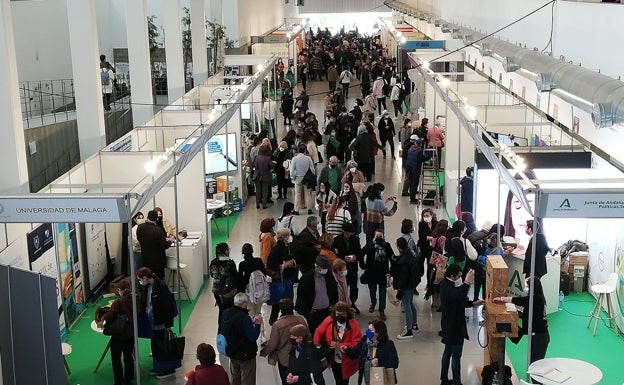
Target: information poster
{"points": [[43, 260], [96, 253], [69, 268]]}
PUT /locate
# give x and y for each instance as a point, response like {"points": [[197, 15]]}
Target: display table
{"points": [[213, 205], [99, 330], [191, 254], [566, 371]]}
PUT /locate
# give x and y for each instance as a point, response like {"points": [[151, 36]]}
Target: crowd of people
{"points": [[309, 276]]}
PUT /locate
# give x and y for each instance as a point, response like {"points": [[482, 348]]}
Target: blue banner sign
{"points": [[424, 44]]}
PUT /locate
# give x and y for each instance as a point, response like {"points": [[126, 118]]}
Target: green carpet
{"points": [[87, 346], [570, 338]]}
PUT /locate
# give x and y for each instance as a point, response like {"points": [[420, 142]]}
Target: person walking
{"points": [[405, 282], [241, 332], [332, 77], [299, 166], [386, 133], [375, 349], [378, 256], [316, 293], [454, 299], [345, 82], [269, 112], [278, 347], [348, 249]]}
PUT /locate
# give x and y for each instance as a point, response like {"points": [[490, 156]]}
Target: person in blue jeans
{"points": [[454, 299], [405, 282], [378, 255]]}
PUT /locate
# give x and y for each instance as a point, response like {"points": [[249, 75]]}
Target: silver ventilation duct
{"points": [[603, 92]]}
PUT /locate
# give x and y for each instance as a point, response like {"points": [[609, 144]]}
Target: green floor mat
{"points": [[569, 337]]}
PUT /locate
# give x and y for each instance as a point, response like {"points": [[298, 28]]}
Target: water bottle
{"points": [[561, 300]]}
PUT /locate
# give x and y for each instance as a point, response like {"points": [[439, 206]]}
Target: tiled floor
{"points": [[419, 357]]}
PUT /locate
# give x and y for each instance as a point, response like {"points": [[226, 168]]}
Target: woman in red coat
{"points": [[339, 331]]}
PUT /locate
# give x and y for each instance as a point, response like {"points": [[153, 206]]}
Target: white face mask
{"points": [[381, 194], [344, 273], [282, 149], [352, 169], [458, 282], [427, 219]]}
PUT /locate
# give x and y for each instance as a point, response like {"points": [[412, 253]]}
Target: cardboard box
{"points": [[219, 196], [224, 183], [578, 258], [496, 277]]}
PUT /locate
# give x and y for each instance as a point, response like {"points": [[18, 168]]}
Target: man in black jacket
{"points": [[454, 298], [158, 303], [405, 282], [348, 249], [307, 245], [241, 332], [316, 293], [541, 249], [154, 242]]}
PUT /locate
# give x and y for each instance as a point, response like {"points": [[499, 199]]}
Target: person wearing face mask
{"points": [[541, 249], [281, 265], [332, 147], [386, 133], [454, 299], [165, 224], [316, 293], [425, 238], [303, 360], [352, 174], [325, 197], [278, 347], [137, 219], [279, 157], [224, 278], [378, 256], [377, 209], [348, 248], [375, 349], [122, 343], [332, 173], [337, 333], [493, 248], [339, 269], [405, 281], [156, 302]]}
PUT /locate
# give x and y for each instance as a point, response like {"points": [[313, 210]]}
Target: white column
{"points": [[13, 168], [198, 36], [139, 60], [173, 49], [83, 41], [231, 20], [214, 10]]}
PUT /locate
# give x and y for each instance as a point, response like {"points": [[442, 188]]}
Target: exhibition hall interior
{"points": [[135, 133]]}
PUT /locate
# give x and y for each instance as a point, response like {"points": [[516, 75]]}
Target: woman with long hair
{"points": [[324, 199], [337, 216], [376, 209], [426, 225], [352, 205]]}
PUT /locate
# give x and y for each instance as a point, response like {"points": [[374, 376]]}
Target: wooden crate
{"points": [[496, 277]]}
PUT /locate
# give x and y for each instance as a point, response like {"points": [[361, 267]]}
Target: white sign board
{"points": [[581, 205], [60, 209]]}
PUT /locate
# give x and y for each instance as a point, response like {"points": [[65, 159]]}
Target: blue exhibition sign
{"points": [[424, 44]]}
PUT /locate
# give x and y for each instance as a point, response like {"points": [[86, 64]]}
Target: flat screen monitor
{"points": [[220, 156]]}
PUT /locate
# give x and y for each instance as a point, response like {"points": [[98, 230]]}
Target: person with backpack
{"points": [[237, 337], [224, 278], [405, 281], [397, 96], [106, 78], [246, 269], [345, 82]]}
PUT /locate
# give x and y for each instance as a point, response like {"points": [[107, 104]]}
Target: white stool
{"points": [[604, 291], [66, 350], [172, 265]]}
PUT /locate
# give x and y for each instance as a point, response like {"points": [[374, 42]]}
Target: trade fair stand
{"points": [[141, 170]]}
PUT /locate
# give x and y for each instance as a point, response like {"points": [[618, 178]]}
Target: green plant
{"points": [[187, 42], [214, 38], [152, 34]]}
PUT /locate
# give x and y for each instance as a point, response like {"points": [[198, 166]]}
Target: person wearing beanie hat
{"points": [[347, 246], [316, 293], [154, 242]]}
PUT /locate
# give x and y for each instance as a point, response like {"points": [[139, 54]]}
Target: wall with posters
{"points": [[69, 270], [42, 259], [95, 235]]}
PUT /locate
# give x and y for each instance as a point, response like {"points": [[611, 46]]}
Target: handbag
{"points": [[116, 326], [309, 179], [170, 348], [392, 293], [364, 279], [280, 289], [382, 376]]}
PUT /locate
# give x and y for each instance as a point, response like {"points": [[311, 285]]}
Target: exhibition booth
{"points": [[74, 228]]}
